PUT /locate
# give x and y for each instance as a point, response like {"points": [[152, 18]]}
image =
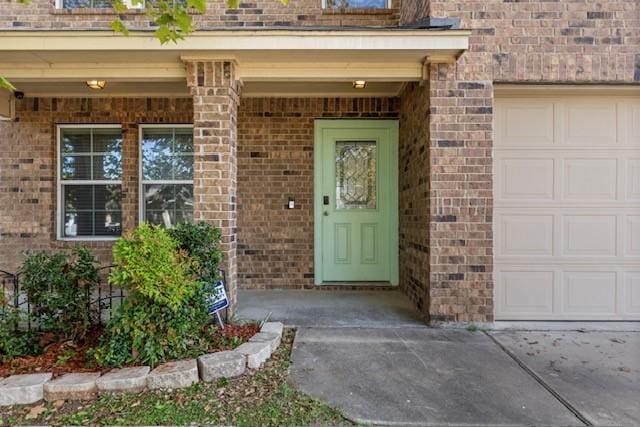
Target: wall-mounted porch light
{"points": [[96, 84], [359, 84]]}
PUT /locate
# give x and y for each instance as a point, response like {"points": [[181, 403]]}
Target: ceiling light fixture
{"points": [[359, 84], [96, 84]]}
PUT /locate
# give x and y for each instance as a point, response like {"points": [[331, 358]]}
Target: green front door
{"points": [[356, 201]]}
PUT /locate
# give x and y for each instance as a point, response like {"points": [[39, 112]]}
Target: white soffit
{"points": [[263, 55], [179, 89]]}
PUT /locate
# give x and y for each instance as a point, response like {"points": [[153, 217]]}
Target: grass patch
{"points": [[258, 398]]}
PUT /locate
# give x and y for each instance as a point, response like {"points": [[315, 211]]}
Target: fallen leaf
{"points": [[35, 412]]}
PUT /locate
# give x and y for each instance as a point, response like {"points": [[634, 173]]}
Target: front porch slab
{"points": [[366, 309]]}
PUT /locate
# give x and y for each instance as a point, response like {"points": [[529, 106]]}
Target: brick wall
{"points": [[413, 197], [41, 14], [413, 10], [533, 41], [275, 162], [27, 165]]}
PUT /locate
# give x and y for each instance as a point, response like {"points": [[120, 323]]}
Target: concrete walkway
{"points": [[392, 370], [455, 377]]}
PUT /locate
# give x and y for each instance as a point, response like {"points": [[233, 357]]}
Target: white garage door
{"points": [[567, 208]]}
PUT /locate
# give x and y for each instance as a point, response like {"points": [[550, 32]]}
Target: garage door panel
{"points": [[589, 292], [590, 123], [567, 208], [634, 124], [632, 292], [631, 233], [524, 235], [527, 124], [526, 178], [633, 179], [526, 292], [590, 179], [589, 235]]}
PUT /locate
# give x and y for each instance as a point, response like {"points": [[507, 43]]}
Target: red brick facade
{"points": [[248, 164], [275, 162], [42, 14], [512, 42], [28, 165]]}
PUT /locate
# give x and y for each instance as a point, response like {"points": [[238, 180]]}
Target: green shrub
{"points": [[165, 314], [142, 331], [59, 291], [202, 242], [148, 262], [13, 341]]}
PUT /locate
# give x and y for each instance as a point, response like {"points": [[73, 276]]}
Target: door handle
{"points": [[325, 213]]}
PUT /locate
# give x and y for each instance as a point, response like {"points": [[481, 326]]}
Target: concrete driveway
{"points": [[424, 376]]}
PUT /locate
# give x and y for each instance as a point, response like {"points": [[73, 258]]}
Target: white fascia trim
{"points": [[239, 40]]}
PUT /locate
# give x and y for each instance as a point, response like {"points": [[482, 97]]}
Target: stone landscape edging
{"points": [[24, 389]]}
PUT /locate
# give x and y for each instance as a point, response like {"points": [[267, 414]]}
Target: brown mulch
{"points": [[52, 359], [54, 355]]}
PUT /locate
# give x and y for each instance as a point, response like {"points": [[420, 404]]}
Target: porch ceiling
{"points": [[266, 59]]}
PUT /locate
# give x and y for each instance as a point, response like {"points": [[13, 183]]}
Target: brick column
{"points": [[215, 88], [460, 197]]}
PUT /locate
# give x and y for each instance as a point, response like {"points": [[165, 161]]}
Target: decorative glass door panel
{"points": [[356, 174]]}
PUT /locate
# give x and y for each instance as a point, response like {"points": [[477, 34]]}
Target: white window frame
{"points": [[59, 4], [60, 182], [141, 180], [387, 6]]}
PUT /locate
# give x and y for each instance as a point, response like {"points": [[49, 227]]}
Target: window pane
{"points": [[78, 197], [76, 167], [360, 4], [108, 197], [184, 196], [107, 140], [78, 224], [157, 160], [356, 174], [108, 223], [77, 4], [167, 154], [184, 140], [92, 210], [167, 203], [107, 167], [75, 140], [183, 167]]}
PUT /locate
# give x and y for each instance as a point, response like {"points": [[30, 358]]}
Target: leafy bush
{"points": [[165, 313], [146, 332], [59, 290], [148, 262], [13, 341], [202, 242]]}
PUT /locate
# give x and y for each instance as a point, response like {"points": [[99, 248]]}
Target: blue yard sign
{"points": [[216, 299]]}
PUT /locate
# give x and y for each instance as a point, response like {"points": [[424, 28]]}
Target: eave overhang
{"points": [[35, 58]]}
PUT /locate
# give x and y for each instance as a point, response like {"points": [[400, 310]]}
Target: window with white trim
{"points": [[108, 4], [89, 182], [166, 174], [356, 4]]}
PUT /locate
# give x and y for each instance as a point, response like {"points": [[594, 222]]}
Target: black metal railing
{"points": [[100, 298]]}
